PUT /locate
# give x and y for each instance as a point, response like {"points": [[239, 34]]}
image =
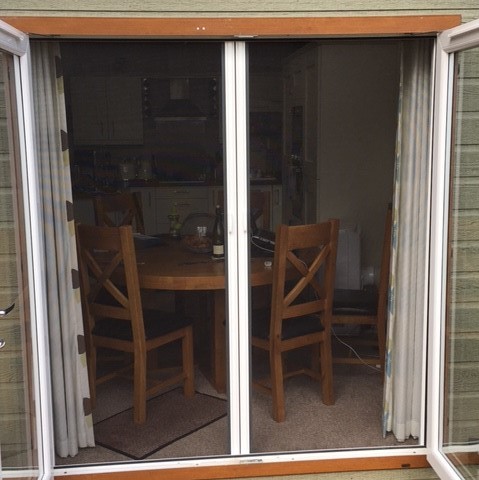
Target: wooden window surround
{"points": [[242, 28], [231, 27]]}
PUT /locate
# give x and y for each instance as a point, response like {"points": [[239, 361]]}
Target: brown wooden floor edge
{"points": [[264, 469]]}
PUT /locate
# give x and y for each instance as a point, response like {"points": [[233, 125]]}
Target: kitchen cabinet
{"points": [[148, 206], [158, 202], [186, 200], [106, 110]]}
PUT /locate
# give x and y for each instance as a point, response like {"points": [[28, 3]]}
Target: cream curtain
{"points": [[405, 338], [73, 425]]}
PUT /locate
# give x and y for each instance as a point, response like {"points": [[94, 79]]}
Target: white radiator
{"points": [[348, 262]]}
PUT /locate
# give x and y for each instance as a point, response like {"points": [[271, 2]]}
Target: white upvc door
{"points": [[453, 376], [25, 448]]}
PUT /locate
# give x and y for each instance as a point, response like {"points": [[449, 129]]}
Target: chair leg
{"points": [[188, 363], [277, 386], [139, 387], [315, 358], [327, 372]]}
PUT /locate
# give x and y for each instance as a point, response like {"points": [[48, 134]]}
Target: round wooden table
{"points": [[171, 266]]}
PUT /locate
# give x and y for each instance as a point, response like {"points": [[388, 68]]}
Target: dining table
{"points": [[172, 266]]}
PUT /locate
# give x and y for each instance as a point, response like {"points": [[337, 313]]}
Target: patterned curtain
{"points": [[405, 352], [72, 418]]}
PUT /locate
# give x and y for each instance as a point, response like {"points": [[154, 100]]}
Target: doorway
{"points": [[336, 161]]}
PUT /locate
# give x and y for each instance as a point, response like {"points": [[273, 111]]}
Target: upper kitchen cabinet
{"points": [[106, 110]]}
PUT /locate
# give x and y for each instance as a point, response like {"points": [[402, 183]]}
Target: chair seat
{"points": [[157, 323], [355, 302], [296, 327]]}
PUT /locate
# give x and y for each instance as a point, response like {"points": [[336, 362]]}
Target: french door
{"points": [[453, 421], [21, 442], [452, 433]]}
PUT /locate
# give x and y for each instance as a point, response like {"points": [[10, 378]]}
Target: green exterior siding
{"points": [[282, 8]]}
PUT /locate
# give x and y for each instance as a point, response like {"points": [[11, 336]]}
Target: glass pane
{"points": [[18, 451], [323, 121], [461, 415], [146, 118]]}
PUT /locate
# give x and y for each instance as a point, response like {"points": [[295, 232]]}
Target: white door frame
{"points": [[15, 42], [449, 42]]}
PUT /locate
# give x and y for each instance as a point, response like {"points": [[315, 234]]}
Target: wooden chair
{"points": [[115, 318], [126, 207], [366, 308], [304, 267], [260, 206]]}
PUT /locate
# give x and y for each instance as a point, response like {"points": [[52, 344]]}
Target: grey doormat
{"points": [[171, 416]]}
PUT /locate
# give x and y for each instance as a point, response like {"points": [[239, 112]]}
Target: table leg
{"points": [[218, 341]]}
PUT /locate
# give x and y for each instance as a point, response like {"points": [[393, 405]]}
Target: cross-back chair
{"points": [[260, 207], [366, 308], [304, 267], [114, 317], [114, 210]]}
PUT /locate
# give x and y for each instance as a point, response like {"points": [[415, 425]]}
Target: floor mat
{"points": [[170, 417]]}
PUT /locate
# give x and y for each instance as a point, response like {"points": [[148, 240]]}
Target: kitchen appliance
{"points": [[180, 107]]}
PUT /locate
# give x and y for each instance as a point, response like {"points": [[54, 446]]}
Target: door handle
{"points": [[2, 343], [7, 310]]}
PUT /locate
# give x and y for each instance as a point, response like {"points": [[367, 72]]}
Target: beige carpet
{"points": [[353, 422]]}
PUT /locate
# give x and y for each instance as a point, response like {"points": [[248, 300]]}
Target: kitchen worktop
{"points": [[90, 189]]}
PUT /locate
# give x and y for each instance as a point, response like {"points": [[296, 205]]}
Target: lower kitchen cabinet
{"points": [[158, 202]]}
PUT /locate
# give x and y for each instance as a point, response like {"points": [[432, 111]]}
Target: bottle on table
{"points": [[218, 236]]}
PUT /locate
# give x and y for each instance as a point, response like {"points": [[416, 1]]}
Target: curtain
{"points": [[72, 417], [405, 337]]}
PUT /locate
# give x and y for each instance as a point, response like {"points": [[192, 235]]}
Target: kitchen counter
{"points": [[199, 183], [159, 198]]}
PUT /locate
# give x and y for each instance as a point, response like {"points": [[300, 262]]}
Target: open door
{"points": [[22, 438], [453, 417]]}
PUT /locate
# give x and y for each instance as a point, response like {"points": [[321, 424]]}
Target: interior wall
{"points": [[359, 94]]}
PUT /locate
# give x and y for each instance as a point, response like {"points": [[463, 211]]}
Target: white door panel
{"points": [[453, 416], [22, 437]]}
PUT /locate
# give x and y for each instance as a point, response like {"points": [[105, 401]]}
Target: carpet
{"points": [[171, 417]]}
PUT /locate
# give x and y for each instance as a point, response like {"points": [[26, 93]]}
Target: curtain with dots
{"points": [[405, 349], [72, 417]]}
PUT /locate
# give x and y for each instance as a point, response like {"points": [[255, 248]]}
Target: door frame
{"points": [[221, 28], [16, 43], [448, 43]]}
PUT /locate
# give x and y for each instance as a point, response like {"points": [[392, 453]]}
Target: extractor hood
{"points": [[179, 107]]}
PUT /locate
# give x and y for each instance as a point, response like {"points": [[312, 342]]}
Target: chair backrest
{"points": [[260, 206], [125, 206], [109, 276], [304, 268]]}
